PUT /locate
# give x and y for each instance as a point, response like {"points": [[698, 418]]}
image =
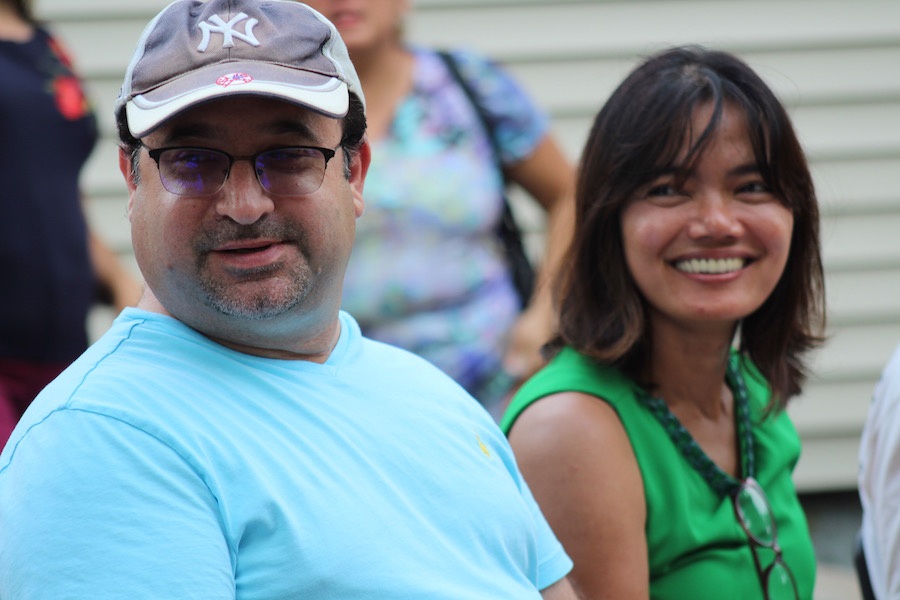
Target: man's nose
{"points": [[243, 198]]}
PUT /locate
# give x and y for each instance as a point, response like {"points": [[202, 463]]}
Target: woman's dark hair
{"points": [[640, 131], [23, 8], [354, 130]]}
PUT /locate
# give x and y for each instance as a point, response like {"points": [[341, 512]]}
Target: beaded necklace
{"points": [[721, 482]]}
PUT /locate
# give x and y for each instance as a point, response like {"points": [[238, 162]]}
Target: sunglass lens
{"points": [[193, 171], [291, 171]]}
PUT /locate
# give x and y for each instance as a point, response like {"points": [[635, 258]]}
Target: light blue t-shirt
{"points": [[163, 465]]}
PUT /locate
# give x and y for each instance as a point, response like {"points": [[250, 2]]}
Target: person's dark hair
{"points": [[354, 130], [23, 8], [639, 131]]}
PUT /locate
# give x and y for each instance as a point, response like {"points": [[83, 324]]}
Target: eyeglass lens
{"points": [[202, 172], [755, 516], [779, 584]]}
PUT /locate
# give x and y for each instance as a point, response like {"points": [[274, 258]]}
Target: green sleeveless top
{"points": [[696, 546]]}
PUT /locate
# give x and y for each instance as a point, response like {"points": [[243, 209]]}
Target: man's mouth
{"points": [[248, 249]]}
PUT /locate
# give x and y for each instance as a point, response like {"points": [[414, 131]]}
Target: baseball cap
{"points": [[194, 51]]}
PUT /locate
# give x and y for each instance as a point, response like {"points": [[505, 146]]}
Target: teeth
{"points": [[710, 266]]}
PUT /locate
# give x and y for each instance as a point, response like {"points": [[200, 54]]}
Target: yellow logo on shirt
{"points": [[483, 447]]}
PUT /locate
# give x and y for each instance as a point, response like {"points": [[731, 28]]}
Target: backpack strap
{"points": [[508, 230], [466, 87]]}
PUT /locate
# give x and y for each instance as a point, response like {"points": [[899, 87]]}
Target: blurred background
{"points": [[836, 65]]}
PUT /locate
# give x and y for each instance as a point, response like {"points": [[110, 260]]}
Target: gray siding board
{"points": [[103, 47], [855, 350], [549, 30], [859, 241], [847, 186], [836, 409], [863, 295], [101, 175], [827, 462]]}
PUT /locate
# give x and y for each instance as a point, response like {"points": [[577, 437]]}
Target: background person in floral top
{"points": [[427, 271]]}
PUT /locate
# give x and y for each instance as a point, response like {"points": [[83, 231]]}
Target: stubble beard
{"points": [[262, 293], [265, 302]]}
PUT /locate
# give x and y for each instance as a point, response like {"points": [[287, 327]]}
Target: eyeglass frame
{"points": [[763, 574], [156, 155]]}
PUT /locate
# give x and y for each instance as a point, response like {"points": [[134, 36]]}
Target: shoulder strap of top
{"points": [[508, 230], [453, 68]]}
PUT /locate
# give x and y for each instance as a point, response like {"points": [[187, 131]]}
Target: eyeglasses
{"points": [[288, 171], [755, 517]]}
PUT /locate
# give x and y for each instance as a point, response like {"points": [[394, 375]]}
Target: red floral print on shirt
{"points": [[70, 99], [66, 88]]}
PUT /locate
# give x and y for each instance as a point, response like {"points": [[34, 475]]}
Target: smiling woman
{"points": [[678, 351]]}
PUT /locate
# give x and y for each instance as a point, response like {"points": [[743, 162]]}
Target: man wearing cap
{"points": [[235, 436]]}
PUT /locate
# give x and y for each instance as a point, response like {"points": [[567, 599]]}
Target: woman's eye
{"points": [[755, 191], [755, 187], [664, 189]]}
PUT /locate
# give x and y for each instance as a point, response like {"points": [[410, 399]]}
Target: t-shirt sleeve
{"points": [[517, 121], [553, 562], [91, 507]]}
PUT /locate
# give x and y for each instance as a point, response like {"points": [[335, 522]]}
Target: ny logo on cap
{"points": [[227, 30]]}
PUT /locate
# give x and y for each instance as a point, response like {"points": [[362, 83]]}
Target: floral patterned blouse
{"points": [[427, 271]]}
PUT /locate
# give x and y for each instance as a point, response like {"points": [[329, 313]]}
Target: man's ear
{"points": [[359, 166], [125, 166]]}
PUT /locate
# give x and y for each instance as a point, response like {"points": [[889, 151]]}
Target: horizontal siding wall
{"points": [[834, 63]]}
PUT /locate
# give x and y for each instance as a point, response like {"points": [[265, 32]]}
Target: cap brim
{"points": [[324, 94]]}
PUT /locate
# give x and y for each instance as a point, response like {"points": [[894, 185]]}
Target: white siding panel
{"points": [[863, 295], [831, 407], [581, 85], [862, 240], [828, 463], [845, 185], [561, 29], [109, 215], [103, 47], [846, 74], [857, 352], [849, 130], [577, 85], [101, 174], [99, 9]]}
